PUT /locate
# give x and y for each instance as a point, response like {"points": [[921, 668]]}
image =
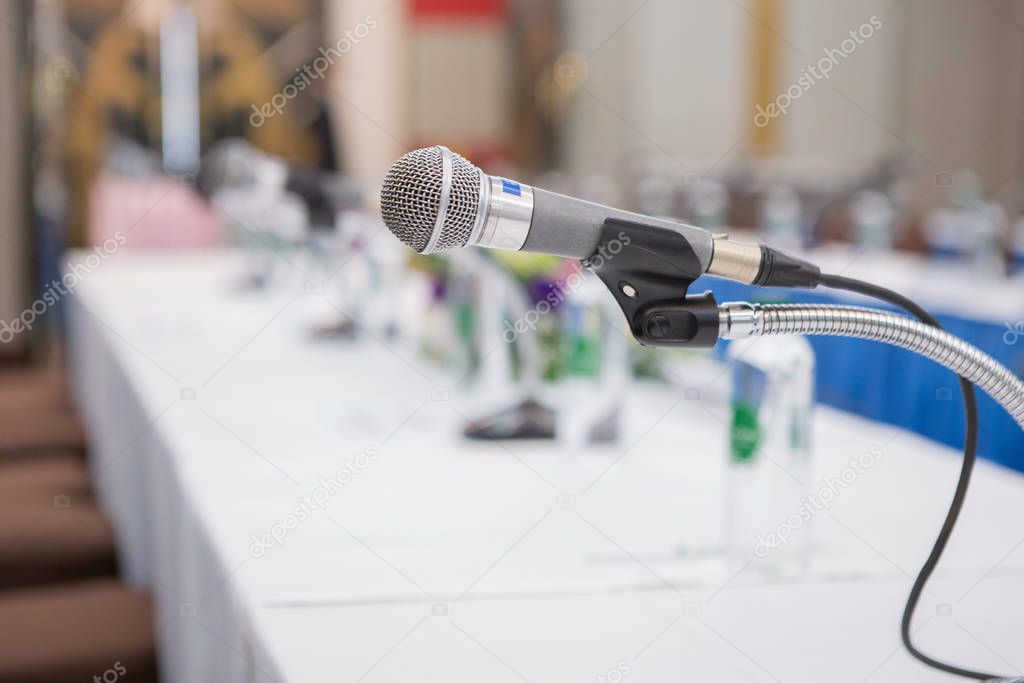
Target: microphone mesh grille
{"points": [[463, 205], [411, 199]]}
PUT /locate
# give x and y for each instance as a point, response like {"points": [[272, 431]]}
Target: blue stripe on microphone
{"points": [[511, 187]]}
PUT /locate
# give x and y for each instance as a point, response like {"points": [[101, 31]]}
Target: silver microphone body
{"points": [[523, 218]]}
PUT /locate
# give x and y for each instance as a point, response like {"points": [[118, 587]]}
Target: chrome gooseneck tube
{"points": [[742, 320]]}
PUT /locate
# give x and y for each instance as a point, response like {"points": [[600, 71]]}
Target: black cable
{"points": [[970, 455]]}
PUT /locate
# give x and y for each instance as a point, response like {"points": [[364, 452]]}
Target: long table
{"points": [[305, 509]]}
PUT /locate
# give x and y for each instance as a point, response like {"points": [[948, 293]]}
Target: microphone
{"points": [[434, 200], [239, 164]]}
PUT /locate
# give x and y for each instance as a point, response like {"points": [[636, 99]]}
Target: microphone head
{"points": [[432, 199]]}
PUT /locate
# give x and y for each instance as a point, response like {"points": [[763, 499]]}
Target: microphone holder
{"points": [[649, 270]]}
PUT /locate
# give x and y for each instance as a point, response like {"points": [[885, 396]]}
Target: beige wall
{"points": [[857, 112], [942, 80], [965, 87], [369, 88], [460, 83]]}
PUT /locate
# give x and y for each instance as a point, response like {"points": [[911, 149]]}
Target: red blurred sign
{"points": [[475, 10]]}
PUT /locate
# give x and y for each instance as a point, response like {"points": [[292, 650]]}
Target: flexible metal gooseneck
{"points": [[742, 320]]}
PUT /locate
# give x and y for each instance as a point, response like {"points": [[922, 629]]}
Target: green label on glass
{"points": [[583, 356], [744, 432]]}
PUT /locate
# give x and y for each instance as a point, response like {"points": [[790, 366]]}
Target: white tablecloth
{"points": [[213, 413], [837, 631]]}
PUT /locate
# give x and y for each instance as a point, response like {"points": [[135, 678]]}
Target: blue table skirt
{"points": [[893, 385]]}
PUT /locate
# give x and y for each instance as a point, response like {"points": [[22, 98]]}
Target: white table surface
{"points": [[556, 556], [842, 631]]}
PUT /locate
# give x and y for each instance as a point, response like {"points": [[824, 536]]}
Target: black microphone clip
{"points": [[648, 270]]}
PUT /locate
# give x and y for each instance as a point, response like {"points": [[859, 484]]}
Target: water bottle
{"points": [[708, 204], [769, 452], [987, 221], [782, 218], [1017, 247], [872, 216], [595, 367]]}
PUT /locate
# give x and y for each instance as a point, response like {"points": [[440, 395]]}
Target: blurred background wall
{"points": [[681, 79], [583, 85], [583, 96], [932, 79]]}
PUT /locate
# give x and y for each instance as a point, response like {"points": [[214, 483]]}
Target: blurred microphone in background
{"points": [[237, 164]]}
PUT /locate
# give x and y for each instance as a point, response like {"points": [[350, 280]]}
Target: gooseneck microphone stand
{"points": [[743, 320], [647, 268]]}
